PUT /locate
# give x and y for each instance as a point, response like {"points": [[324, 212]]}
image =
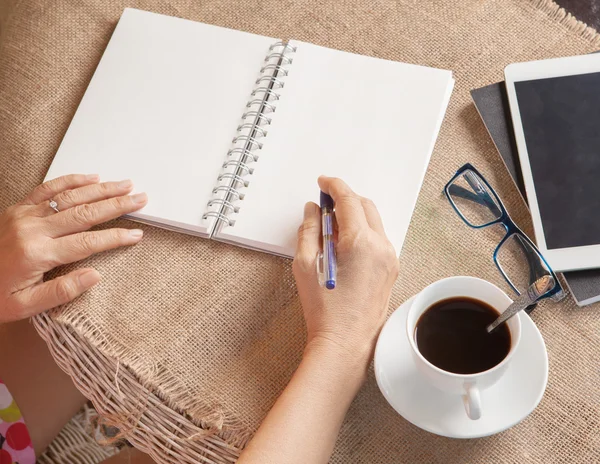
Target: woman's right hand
{"points": [[34, 239], [350, 316], [342, 324]]}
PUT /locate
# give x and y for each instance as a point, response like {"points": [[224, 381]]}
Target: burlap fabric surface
{"points": [[181, 324]]}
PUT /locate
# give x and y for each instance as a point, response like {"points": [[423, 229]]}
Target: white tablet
{"points": [[555, 108]]}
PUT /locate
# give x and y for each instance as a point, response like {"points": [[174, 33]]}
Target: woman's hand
{"points": [[342, 328], [351, 315], [34, 239]]}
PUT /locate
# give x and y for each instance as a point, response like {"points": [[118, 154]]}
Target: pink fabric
{"points": [[15, 443]]}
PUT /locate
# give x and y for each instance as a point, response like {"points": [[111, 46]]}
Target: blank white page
{"points": [[368, 121], [162, 109]]}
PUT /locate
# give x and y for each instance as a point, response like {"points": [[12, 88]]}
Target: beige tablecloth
{"points": [[181, 324]]}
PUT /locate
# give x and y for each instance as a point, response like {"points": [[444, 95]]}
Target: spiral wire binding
{"points": [[245, 144]]}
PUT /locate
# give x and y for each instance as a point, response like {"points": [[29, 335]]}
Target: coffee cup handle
{"points": [[472, 401]]}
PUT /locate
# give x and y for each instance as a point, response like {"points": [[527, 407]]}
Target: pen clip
{"points": [[320, 270]]}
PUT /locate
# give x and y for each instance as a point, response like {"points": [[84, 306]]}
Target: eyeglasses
{"points": [[516, 257]]}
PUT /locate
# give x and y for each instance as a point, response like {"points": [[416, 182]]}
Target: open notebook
{"points": [[227, 131]]}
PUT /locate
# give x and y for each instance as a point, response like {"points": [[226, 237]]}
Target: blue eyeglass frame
{"points": [[511, 229]]}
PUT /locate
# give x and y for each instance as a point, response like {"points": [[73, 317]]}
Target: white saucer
{"points": [[504, 404]]}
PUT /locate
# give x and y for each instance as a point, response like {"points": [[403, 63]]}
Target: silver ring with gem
{"points": [[54, 206]]}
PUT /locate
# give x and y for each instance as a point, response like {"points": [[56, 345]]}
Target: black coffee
{"points": [[452, 335]]}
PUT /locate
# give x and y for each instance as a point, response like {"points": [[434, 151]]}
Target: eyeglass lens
{"points": [[474, 200], [520, 262]]}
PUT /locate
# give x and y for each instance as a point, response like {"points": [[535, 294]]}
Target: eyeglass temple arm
{"points": [[481, 197]]}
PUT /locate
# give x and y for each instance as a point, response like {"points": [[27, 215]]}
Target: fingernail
{"points": [[136, 233], [92, 177], [89, 278], [125, 184], [139, 198]]}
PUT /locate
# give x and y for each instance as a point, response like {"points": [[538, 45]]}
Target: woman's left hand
{"points": [[34, 239]]}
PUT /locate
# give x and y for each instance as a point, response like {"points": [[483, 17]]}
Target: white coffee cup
{"points": [[467, 385]]}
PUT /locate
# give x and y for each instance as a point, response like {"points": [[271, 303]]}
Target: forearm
{"points": [[130, 456], [303, 425], [45, 395]]}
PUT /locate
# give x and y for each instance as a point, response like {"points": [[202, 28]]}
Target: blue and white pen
{"points": [[328, 263]]}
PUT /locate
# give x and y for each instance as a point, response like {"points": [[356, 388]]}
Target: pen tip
{"points": [[330, 284]]}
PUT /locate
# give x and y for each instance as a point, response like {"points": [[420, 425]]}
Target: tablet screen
{"points": [[561, 124]]}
